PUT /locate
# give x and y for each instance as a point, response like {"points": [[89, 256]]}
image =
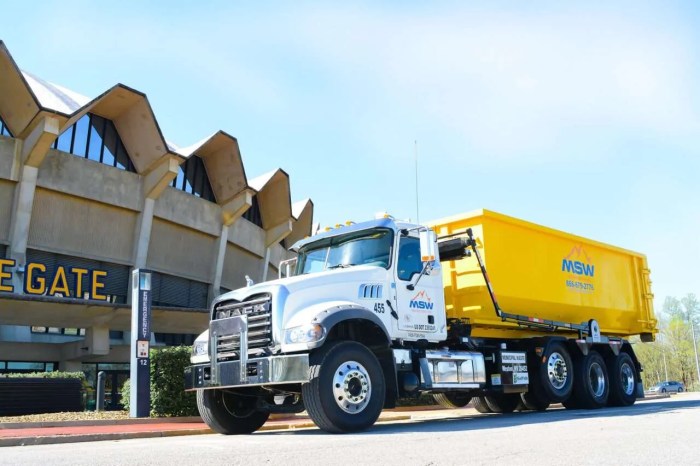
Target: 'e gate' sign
{"points": [[69, 282]]}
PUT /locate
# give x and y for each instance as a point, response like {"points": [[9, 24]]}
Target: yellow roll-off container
{"points": [[547, 274]]}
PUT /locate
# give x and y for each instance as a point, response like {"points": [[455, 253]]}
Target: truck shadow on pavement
{"points": [[451, 422]]}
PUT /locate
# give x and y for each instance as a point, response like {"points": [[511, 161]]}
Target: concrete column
{"points": [[30, 153], [230, 212], [219, 263], [95, 343], [143, 235], [22, 213], [154, 183], [273, 236], [70, 366]]}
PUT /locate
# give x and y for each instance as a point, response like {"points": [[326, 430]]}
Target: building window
{"points": [[70, 331], [4, 130], [9, 367], [253, 214], [192, 178], [172, 291], [95, 138], [175, 339]]}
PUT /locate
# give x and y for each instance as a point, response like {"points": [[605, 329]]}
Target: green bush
{"points": [[46, 375], [168, 397]]}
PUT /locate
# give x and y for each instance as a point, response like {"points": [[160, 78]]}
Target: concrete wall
{"points": [[7, 150], [190, 211], [75, 226], [247, 235], [7, 194], [85, 178], [237, 264], [181, 251]]}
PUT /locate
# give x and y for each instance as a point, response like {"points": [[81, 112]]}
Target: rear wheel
{"points": [[228, 413], [503, 403], [554, 376], [481, 405], [680, 390], [623, 380], [452, 400], [591, 383], [534, 402], [346, 388]]}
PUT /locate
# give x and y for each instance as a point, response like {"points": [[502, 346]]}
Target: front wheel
{"points": [[229, 413], [346, 388], [680, 390]]}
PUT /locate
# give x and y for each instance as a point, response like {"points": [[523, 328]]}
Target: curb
{"points": [[117, 422], [99, 422], [55, 439]]}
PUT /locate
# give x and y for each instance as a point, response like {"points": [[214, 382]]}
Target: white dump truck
{"points": [[382, 310]]}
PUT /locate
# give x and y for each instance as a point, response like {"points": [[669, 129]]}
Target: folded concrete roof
{"points": [[24, 97]]}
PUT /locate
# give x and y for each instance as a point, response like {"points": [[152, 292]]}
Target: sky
{"points": [[582, 116]]}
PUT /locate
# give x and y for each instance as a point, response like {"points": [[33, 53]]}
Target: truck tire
{"points": [[346, 387], [228, 413], [481, 405], [533, 402], [452, 400], [554, 377], [623, 380], [503, 403], [591, 383]]}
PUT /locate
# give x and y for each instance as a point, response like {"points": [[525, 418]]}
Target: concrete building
{"points": [[89, 190]]}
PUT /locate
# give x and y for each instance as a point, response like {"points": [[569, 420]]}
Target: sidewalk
{"points": [[18, 434]]}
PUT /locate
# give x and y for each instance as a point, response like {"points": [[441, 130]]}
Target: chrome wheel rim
{"points": [[557, 371], [352, 387], [596, 375], [627, 379]]}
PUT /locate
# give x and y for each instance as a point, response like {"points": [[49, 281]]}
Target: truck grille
{"points": [[259, 312]]}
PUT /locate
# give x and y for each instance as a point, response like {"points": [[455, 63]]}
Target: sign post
{"points": [[140, 383]]}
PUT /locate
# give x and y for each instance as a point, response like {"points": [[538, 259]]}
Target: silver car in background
{"points": [[669, 386]]}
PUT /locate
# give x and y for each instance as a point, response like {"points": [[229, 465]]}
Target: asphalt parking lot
{"points": [[660, 431]]}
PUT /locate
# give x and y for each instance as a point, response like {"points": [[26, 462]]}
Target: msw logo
{"points": [[421, 301], [578, 267]]}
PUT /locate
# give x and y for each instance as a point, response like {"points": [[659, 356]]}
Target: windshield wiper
{"points": [[340, 266]]}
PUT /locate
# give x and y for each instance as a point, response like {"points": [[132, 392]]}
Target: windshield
{"points": [[369, 247]]}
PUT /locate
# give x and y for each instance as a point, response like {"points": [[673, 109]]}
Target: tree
{"points": [[692, 313], [673, 355]]}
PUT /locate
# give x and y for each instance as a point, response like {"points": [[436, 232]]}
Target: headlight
{"points": [[304, 333], [200, 349]]}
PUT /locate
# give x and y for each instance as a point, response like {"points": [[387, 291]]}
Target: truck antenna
{"points": [[415, 147]]}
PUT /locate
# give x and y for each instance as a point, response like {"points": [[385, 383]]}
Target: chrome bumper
{"points": [[258, 371]]}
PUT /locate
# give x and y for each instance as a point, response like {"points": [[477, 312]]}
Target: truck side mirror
{"points": [[428, 241]]}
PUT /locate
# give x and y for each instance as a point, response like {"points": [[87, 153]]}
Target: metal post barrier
{"points": [[100, 401]]}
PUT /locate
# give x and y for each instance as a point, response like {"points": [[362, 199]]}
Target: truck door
{"points": [[421, 310]]}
